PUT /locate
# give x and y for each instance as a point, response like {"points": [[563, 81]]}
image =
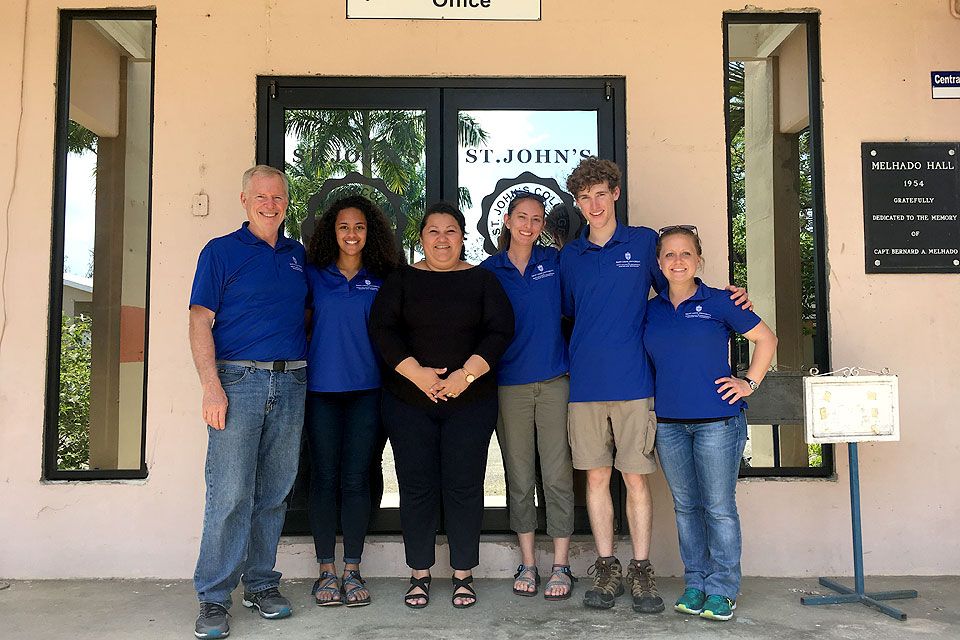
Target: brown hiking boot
{"points": [[643, 586], [607, 583]]}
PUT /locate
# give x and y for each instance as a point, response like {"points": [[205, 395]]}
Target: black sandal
{"points": [[410, 599], [463, 583]]}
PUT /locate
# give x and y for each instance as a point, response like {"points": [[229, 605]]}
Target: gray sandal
{"points": [[530, 577], [560, 576]]}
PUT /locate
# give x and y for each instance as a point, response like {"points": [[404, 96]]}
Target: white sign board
{"points": [[851, 409], [445, 9]]}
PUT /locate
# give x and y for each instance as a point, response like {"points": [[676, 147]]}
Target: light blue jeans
{"points": [[701, 463], [251, 466]]}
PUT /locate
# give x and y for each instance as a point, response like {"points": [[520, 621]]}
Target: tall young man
{"points": [[606, 275]]}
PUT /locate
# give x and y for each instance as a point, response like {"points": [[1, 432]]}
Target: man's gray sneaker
{"points": [[643, 586], [268, 602], [212, 621], [607, 583]]}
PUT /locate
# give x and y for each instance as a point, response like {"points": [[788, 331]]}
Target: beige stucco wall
{"points": [[876, 62]]}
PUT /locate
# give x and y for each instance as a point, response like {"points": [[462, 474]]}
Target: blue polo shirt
{"points": [[538, 351], [341, 355], [605, 289], [258, 294], [689, 347]]}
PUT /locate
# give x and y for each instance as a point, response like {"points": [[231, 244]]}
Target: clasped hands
{"points": [[436, 388]]}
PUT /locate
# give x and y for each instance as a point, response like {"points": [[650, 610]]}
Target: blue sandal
{"points": [[329, 583], [352, 582]]}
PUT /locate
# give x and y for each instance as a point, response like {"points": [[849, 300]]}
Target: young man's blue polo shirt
{"points": [[341, 355], [258, 294], [538, 351], [689, 347], [605, 289]]}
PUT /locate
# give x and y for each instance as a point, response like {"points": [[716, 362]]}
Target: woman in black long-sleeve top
{"points": [[440, 325]]}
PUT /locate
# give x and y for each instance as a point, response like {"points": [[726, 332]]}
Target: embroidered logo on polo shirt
{"points": [[628, 262], [367, 285], [698, 313], [542, 273], [296, 266]]}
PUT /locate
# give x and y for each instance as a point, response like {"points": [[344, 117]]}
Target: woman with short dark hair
{"points": [[441, 325]]}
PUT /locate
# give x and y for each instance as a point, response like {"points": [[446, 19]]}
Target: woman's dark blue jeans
{"points": [[341, 430]]}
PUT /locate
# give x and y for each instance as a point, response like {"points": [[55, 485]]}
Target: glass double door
{"points": [[406, 143]]}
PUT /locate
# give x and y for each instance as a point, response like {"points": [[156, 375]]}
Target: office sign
{"points": [[911, 207], [945, 84], [445, 9]]}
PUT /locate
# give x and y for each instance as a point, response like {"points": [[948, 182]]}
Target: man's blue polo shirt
{"points": [[341, 355], [538, 351], [258, 294], [689, 347], [605, 289]]}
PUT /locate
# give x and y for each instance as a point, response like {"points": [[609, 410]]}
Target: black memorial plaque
{"points": [[911, 207]]}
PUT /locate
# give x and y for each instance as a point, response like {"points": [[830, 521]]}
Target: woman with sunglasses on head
{"points": [[533, 389], [351, 251], [701, 426], [441, 325]]}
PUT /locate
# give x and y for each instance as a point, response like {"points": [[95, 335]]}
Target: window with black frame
{"points": [[96, 376], [776, 220]]}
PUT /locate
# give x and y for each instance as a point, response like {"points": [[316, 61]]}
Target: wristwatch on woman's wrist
{"points": [[469, 376], [753, 385]]}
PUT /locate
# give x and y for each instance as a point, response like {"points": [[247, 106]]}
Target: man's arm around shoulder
{"points": [[214, 403]]}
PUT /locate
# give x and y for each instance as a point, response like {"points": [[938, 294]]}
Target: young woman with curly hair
{"points": [[350, 253]]}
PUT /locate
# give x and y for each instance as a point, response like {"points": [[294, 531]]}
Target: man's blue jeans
{"points": [[251, 466], [701, 463]]}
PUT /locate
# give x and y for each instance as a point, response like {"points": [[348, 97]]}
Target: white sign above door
{"points": [[445, 9]]}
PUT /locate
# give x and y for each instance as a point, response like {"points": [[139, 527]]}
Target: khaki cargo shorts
{"points": [[618, 434]]}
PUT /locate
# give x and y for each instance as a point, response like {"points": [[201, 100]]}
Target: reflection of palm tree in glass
{"points": [[385, 144]]}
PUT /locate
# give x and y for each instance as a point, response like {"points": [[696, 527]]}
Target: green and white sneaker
{"points": [[690, 602], [718, 608]]}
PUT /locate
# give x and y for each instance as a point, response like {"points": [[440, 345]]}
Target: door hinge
{"points": [[273, 90], [607, 91]]}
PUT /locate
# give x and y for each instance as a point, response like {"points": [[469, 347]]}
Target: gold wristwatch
{"points": [[469, 376]]}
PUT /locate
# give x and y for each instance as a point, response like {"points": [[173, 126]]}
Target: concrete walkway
{"points": [[768, 608]]}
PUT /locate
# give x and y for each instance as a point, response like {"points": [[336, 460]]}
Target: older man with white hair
{"points": [[249, 347]]}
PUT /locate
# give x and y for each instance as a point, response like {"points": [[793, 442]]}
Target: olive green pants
{"points": [[533, 419]]}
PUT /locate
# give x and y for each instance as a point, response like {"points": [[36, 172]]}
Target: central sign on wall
{"points": [[445, 9]]}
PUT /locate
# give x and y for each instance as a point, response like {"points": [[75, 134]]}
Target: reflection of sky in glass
{"points": [[80, 212], [548, 144], [521, 141]]}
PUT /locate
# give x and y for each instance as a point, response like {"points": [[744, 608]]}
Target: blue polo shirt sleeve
{"points": [[657, 279], [208, 281], [736, 318]]}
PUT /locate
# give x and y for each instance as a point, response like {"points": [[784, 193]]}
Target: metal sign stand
{"points": [[857, 594]]}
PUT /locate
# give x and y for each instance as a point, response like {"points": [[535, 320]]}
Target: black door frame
{"points": [[441, 99]]}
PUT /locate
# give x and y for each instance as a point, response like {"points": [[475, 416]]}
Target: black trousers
{"points": [[441, 458]]}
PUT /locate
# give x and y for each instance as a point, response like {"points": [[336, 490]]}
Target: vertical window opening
{"points": [[100, 251]]}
